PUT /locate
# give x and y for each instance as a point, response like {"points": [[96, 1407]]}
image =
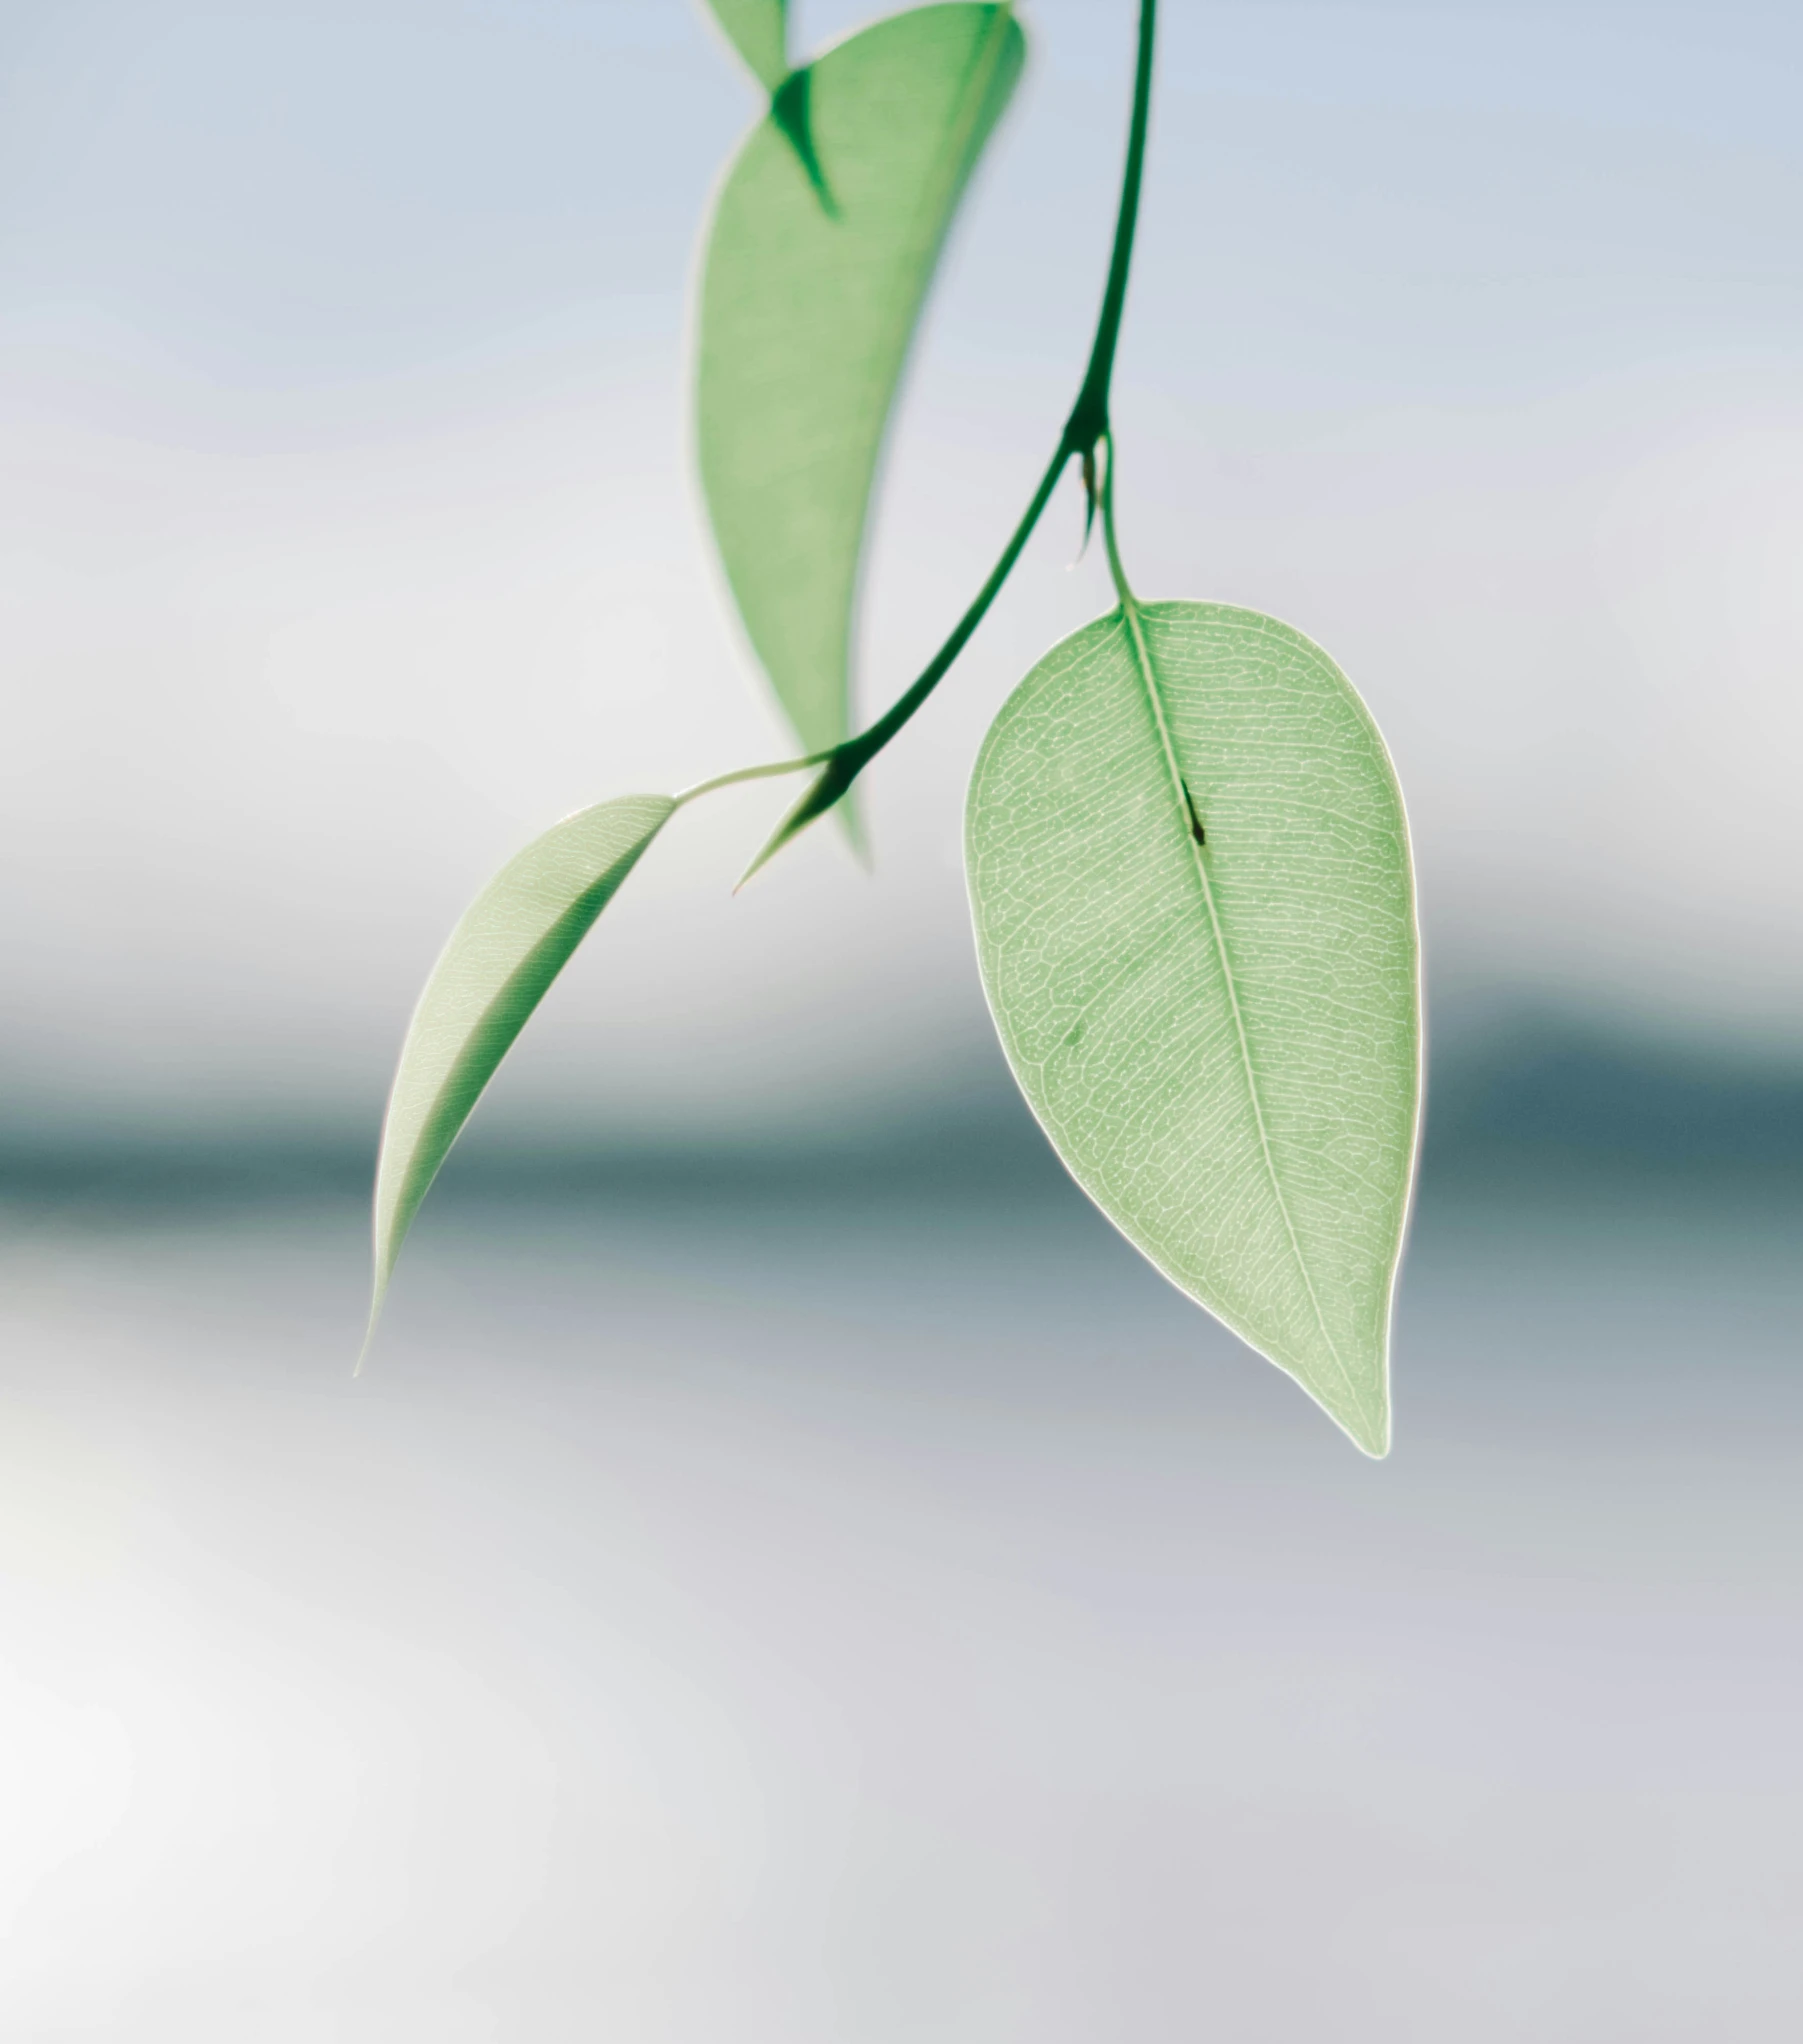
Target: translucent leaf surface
{"points": [[515, 938], [1194, 904], [823, 243], [759, 33]]}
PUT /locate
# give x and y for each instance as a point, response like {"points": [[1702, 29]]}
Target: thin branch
{"points": [[1087, 425]]}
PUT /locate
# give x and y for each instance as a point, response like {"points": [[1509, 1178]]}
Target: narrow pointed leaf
{"points": [[1194, 905], [759, 32], [823, 244], [513, 941]]}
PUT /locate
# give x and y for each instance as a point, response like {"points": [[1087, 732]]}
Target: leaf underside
{"points": [[513, 941], [759, 32], [1199, 945], [817, 264]]}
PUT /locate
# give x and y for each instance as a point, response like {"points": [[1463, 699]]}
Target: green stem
{"points": [[1088, 421], [750, 773], [1085, 429], [1087, 426], [847, 761], [1117, 573]]}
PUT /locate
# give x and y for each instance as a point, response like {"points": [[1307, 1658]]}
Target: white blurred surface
{"points": [[735, 1618]]}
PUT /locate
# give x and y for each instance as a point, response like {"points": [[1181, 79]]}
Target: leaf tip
{"points": [[820, 797], [769, 852], [378, 1298], [851, 818], [1366, 1423], [1373, 1442]]}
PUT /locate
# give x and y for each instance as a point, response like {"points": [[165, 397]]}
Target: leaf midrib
{"points": [[1147, 671]]}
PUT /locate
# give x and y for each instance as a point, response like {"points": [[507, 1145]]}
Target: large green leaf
{"points": [[823, 244], [1194, 904], [513, 941], [759, 32]]}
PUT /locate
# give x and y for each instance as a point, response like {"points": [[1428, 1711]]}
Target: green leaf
{"points": [[1189, 869], [759, 32], [824, 241], [513, 941]]}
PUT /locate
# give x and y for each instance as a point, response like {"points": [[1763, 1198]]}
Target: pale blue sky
{"points": [[345, 532]]}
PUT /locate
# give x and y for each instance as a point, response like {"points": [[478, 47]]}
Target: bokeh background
{"points": [[791, 1573]]}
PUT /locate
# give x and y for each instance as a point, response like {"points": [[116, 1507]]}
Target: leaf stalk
{"points": [[1110, 539], [767, 772]]}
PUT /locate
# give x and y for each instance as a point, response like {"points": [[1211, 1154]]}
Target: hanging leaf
{"points": [[759, 32], [513, 941], [823, 243], [1189, 869]]}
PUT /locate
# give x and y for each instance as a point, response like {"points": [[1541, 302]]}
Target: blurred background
{"points": [[791, 1572]]}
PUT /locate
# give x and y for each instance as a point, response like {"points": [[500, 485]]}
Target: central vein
{"points": [[1148, 674]]}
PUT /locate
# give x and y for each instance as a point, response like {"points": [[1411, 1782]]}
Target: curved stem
{"points": [[847, 761], [1088, 421], [1087, 425], [1110, 540], [1085, 429], [750, 773]]}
